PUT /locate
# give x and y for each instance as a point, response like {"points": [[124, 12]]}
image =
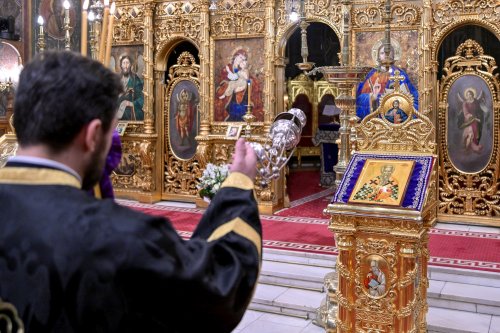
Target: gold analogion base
{"points": [[382, 269]]}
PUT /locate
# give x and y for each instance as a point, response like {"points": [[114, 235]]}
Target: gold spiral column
{"points": [[269, 86], [205, 60], [149, 7], [428, 81], [203, 151]]}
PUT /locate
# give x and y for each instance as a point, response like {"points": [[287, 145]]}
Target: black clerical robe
{"points": [[71, 263]]}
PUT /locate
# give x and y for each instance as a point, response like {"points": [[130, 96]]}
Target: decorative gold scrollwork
{"points": [[469, 188], [141, 155], [9, 318], [129, 26], [402, 15], [181, 177], [453, 11], [237, 23], [176, 8], [409, 277], [184, 25]]}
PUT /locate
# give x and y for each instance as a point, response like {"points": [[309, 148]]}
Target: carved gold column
{"points": [[427, 82], [408, 268], [204, 148], [149, 7], [159, 91], [344, 295], [205, 69], [279, 66], [347, 104], [270, 79]]}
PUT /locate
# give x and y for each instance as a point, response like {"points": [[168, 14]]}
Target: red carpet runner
{"points": [[451, 248], [307, 197]]}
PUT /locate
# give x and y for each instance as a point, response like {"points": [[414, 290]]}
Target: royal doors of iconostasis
{"points": [[181, 123], [468, 127]]}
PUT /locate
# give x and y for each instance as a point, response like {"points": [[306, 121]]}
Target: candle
{"points": [[67, 37], [109, 40], [249, 91], [84, 27], [40, 23], [66, 11], [102, 47]]}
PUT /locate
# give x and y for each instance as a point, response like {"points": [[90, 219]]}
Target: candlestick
{"points": [[41, 35], [67, 44], [109, 40], [40, 23], [102, 42], [93, 41], [249, 91], [84, 27]]}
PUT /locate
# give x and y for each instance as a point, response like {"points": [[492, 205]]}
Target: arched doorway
{"points": [[180, 123], [309, 93], [468, 122]]}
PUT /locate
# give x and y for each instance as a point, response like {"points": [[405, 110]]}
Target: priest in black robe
{"points": [[73, 263]]}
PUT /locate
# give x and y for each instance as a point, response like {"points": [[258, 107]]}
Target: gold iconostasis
{"points": [[191, 68]]}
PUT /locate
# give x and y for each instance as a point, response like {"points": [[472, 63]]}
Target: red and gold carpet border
{"points": [[449, 248]]}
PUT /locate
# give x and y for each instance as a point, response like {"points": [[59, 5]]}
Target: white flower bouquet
{"points": [[212, 179]]}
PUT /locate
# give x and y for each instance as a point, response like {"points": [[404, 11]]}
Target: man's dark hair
{"points": [[125, 57], [58, 94]]}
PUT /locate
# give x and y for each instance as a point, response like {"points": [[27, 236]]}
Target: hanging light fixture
{"points": [[213, 5], [296, 13], [294, 9], [97, 7]]}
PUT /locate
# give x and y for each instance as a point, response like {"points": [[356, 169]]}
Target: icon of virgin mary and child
{"points": [[237, 89]]}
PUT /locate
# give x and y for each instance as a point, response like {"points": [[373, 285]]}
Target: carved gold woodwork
{"points": [[232, 18], [181, 174], [142, 153], [439, 19], [470, 194], [398, 240], [134, 26], [175, 21], [449, 12], [383, 256], [6, 119], [177, 18], [8, 147], [128, 26], [403, 15]]}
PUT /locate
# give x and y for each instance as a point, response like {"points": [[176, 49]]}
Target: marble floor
{"points": [[260, 322]]}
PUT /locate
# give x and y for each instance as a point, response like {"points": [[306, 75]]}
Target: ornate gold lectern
{"points": [[381, 215]]}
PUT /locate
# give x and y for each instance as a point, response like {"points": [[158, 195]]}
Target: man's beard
{"points": [[125, 72], [95, 170]]}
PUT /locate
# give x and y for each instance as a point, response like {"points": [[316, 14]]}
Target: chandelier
{"points": [[295, 10]]}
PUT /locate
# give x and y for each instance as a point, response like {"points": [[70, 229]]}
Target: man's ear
{"points": [[93, 134]]}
